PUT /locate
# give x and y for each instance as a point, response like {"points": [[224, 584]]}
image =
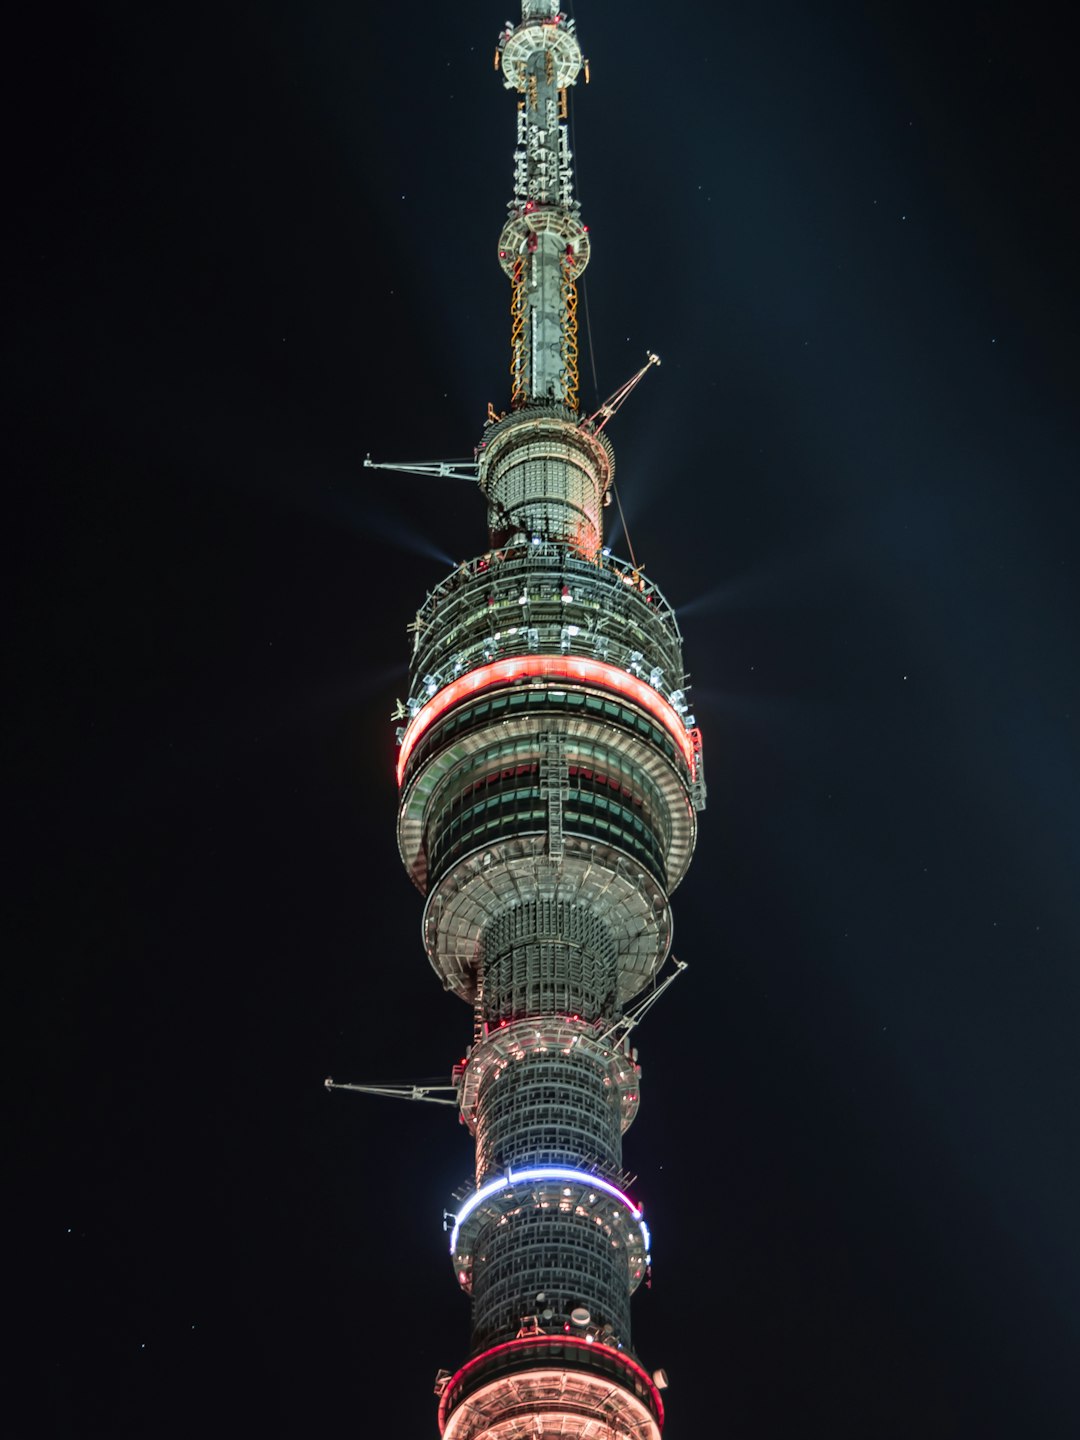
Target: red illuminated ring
{"points": [[530, 1343], [547, 667]]}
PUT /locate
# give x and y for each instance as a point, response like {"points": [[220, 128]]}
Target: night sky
{"points": [[250, 244]]}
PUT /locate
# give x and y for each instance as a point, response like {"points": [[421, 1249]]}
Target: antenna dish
{"points": [[580, 1316]]}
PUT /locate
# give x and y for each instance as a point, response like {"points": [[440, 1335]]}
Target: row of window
{"points": [[549, 1127], [547, 1076], [456, 610], [566, 1253], [596, 768], [579, 777], [585, 1151], [534, 629], [571, 961], [577, 1111], [494, 1161], [518, 812], [619, 827], [502, 1292]]}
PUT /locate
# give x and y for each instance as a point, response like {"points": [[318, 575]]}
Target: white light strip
{"points": [[545, 1172]]}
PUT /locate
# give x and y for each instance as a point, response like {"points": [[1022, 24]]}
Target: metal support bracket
{"points": [[433, 1094], [438, 469], [617, 1033], [614, 403]]}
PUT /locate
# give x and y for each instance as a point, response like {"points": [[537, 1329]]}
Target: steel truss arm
{"points": [[614, 403], [433, 1094], [438, 469], [618, 1032]]}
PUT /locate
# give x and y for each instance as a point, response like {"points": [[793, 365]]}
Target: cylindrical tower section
{"points": [[547, 957], [550, 1249], [554, 1259], [543, 247], [543, 599], [546, 479], [548, 1109]]}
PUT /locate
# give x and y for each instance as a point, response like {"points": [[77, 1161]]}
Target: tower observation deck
{"points": [[550, 776]]}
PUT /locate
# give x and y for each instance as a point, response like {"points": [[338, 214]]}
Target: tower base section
{"points": [[551, 1388]]}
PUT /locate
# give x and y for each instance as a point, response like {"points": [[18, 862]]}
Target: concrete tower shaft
{"points": [[550, 777]]}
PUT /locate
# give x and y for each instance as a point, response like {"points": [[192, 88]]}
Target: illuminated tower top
{"points": [[545, 468]]}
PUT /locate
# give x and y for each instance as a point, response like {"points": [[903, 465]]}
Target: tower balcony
{"points": [[553, 1105], [561, 1387], [505, 1044], [540, 597], [492, 880], [565, 1233]]}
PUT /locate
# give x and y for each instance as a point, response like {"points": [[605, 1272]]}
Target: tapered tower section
{"points": [[550, 777]]}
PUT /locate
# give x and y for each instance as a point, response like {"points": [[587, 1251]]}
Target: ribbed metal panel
{"points": [[543, 476], [547, 957], [528, 599], [572, 1260], [548, 1109]]}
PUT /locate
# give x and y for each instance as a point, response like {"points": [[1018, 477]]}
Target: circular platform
{"points": [[546, 38], [560, 1190], [562, 225], [490, 880]]}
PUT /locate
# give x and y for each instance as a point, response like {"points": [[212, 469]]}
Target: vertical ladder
{"points": [[554, 786], [478, 1007]]}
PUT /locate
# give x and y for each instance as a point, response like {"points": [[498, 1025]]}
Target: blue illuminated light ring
{"points": [[548, 1172]]}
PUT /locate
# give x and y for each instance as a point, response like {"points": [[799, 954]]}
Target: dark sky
{"points": [[252, 243]]}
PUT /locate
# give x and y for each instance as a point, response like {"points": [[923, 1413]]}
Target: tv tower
{"points": [[550, 776]]}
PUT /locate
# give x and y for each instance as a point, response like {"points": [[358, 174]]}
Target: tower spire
{"points": [[543, 247], [544, 475]]}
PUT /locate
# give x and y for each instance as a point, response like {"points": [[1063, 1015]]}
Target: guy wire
{"points": [[622, 520]]}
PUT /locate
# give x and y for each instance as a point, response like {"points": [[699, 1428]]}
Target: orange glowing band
{"points": [[547, 667]]}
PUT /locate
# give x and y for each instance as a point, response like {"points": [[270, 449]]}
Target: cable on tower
{"points": [[625, 527]]}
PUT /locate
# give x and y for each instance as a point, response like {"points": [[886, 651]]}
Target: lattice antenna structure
{"points": [[550, 775]]}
